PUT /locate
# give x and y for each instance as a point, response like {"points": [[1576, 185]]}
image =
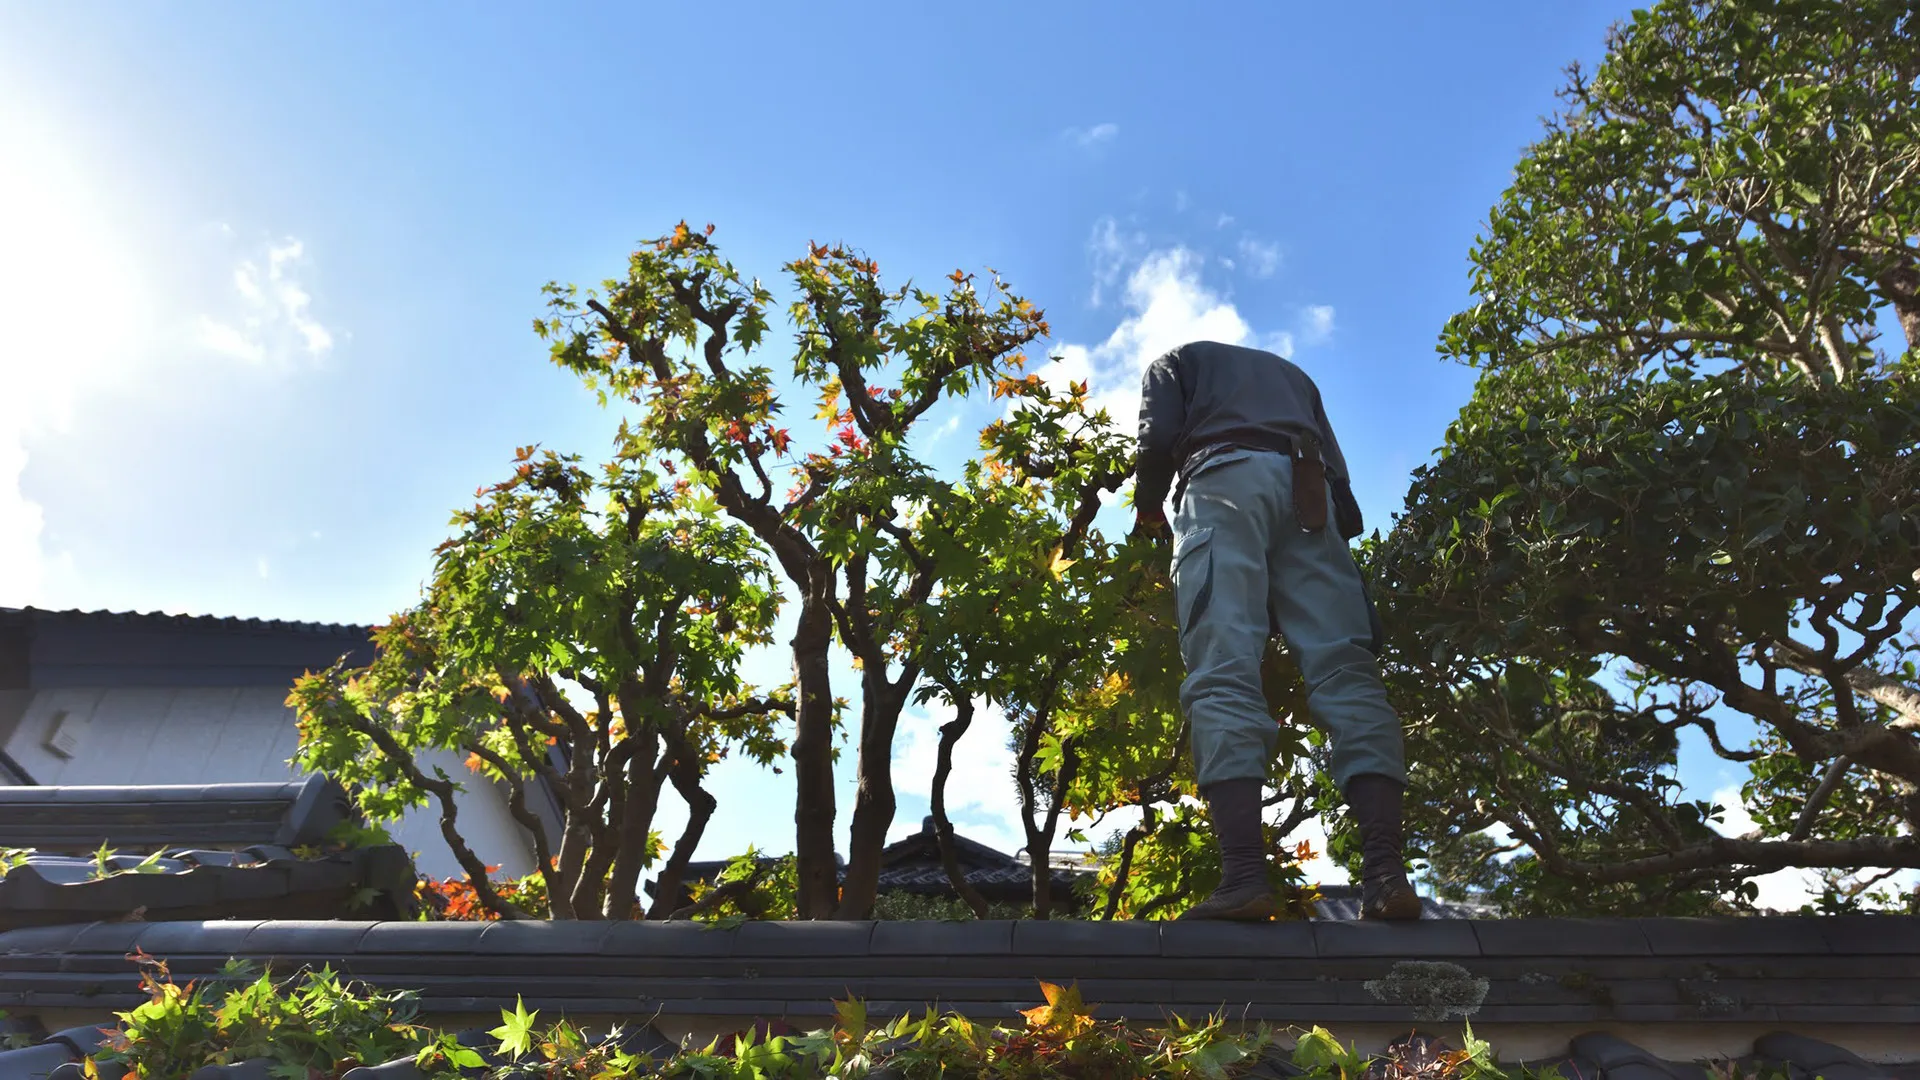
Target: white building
{"points": [[109, 698]]}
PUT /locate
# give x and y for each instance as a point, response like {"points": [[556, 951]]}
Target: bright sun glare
{"points": [[71, 307]]}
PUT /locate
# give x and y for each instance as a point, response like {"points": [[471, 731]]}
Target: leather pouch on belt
{"points": [[1310, 493]]}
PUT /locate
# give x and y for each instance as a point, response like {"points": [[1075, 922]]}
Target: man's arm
{"points": [[1346, 509], [1163, 413]]}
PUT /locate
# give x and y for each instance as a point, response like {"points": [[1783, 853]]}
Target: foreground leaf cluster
{"points": [[315, 1025]]}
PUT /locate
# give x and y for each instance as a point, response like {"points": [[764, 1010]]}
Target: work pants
{"points": [[1241, 566]]}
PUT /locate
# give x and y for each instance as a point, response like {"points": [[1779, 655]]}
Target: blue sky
{"points": [[267, 272]]}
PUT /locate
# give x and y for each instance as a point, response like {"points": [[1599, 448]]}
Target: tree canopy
{"points": [[1681, 501]]}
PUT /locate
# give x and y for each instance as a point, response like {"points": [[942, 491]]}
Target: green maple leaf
{"points": [[852, 1016], [516, 1029]]}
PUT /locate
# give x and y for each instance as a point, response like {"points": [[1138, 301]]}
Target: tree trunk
{"points": [[1042, 875], [1901, 284], [700, 806], [813, 811], [633, 831], [873, 806], [950, 733], [573, 857], [1149, 820]]}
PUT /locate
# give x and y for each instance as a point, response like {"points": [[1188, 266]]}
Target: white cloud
{"points": [[227, 340], [1090, 137], [273, 321], [1319, 323], [1262, 258], [939, 433], [1180, 202], [1168, 304], [1781, 890], [1223, 221], [260, 565], [1112, 250]]}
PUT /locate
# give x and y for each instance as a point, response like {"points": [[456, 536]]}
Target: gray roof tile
{"points": [[1286, 973], [1757, 935], [803, 938], [1224, 939], [424, 937], [916, 938], [34, 1062], [1621, 1060], [1880, 935], [542, 938], [82, 1040], [156, 817], [305, 937], [1561, 937], [210, 937], [61, 889], [1438, 938], [1074, 937], [1815, 1057], [668, 939]]}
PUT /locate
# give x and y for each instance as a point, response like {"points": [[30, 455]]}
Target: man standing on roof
{"points": [[1260, 544]]}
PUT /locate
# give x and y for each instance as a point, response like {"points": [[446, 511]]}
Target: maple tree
{"points": [[860, 536], [581, 634], [1021, 620]]}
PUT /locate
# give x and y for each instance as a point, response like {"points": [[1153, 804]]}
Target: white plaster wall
{"points": [[195, 735]]}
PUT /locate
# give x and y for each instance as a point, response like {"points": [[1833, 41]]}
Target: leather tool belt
{"points": [[1309, 472]]}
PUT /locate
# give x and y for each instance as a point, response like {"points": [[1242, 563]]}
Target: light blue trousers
{"points": [[1241, 566]]}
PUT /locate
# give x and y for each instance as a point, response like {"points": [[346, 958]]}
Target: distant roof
{"points": [[41, 649]]}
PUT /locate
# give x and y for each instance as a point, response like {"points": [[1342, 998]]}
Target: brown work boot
{"points": [[1385, 892], [1243, 895]]}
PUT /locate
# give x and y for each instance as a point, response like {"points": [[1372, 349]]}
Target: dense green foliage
{"points": [[1681, 502], [315, 1026], [611, 585]]}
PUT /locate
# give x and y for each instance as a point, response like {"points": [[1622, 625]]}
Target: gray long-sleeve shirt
{"points": [[1206, 392]]}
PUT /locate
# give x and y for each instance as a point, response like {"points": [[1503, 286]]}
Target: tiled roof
{"points": [[47, 890], [1862, 971], [10, 616], [148, 817], [1610, 992], [934, 878], [222, 851], [46, 649]]}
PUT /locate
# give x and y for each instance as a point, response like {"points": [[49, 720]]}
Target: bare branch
{"points": [[517, 807], [1754, 856], [1804, 827], [443, 794], [950, 733]]}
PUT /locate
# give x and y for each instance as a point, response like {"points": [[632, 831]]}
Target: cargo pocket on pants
{"points": [[1193, 577]]}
